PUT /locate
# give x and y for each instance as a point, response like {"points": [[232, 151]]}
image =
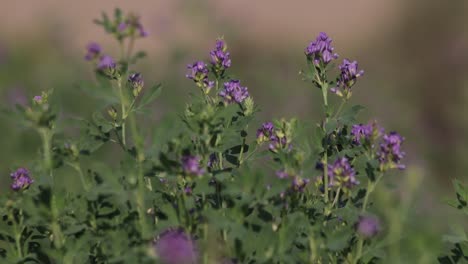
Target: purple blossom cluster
{"points": [[174, 246], [94, 53], [320, 51], [131, 25], [299, 184], [233, 92], [277, 138], [341, 174], [212, 159], [38, 99], [21, 179], [346, 80], [278, 141], [220, 57], [198, 72], [265, 132], [282, 174], [368, 226], [191, 165], [367, 133], [106, 62], [390, 153], [136, 82]]}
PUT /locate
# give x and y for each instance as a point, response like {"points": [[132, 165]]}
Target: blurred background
{"points": [[414, 53]]}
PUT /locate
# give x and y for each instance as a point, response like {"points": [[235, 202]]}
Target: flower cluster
{"points": [[198, 72], [104, 62], [233, 92], [220, 57], [277, 137], [368, 226], [174, 246], [282, 174], [93, 51], [299, 184], [342, 174], [265, 132], [346, 80], [21, 179], [191, 165], [366, 134], [132, 25], [391, 154], [136, 82], [320, 51]]}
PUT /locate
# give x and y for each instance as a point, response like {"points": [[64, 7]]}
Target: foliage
{"points": [[212, 188]]}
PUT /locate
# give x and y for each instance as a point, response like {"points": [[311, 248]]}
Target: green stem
{"points": [[140, 157], [370, 188], [312, 247], [46, 145], [46, 135], [324, 87], [205, 236], [18, 233], [124, 113], [241, 153], [325, 175], [251, 153], [336, 197], [78, 169], [130, 49], [343, 102]]}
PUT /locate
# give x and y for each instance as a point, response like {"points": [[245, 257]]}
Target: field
{"points": [[150, 135]]}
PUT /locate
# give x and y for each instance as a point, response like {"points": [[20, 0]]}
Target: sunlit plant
{"points": [[225, 188]]}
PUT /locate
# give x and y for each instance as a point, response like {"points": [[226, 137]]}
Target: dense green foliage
{"points": [[292, 193]]}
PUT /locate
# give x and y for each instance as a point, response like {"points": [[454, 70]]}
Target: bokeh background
{"points": [[414, 53]]}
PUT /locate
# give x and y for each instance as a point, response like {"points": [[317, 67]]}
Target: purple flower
{"points": [[37, 99], [136, 80], [278, 141], [142, 31], [320, 51], [174, 246], [234, 92], [265, 132], [212, 159], [366, 133], [21, 179], [133, 24], [282, 174], [299, 184], [106, 62], [342, 174], [391, 154], [122, 26], [198, 72], [346, 80], [93, 51], [220, 57], [191, 165], [368, 226], [188, 190]]}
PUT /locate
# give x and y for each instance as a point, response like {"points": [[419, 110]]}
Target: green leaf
{"points": [[149, 96], [139, 55], [339, 239], [349, 115]]}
